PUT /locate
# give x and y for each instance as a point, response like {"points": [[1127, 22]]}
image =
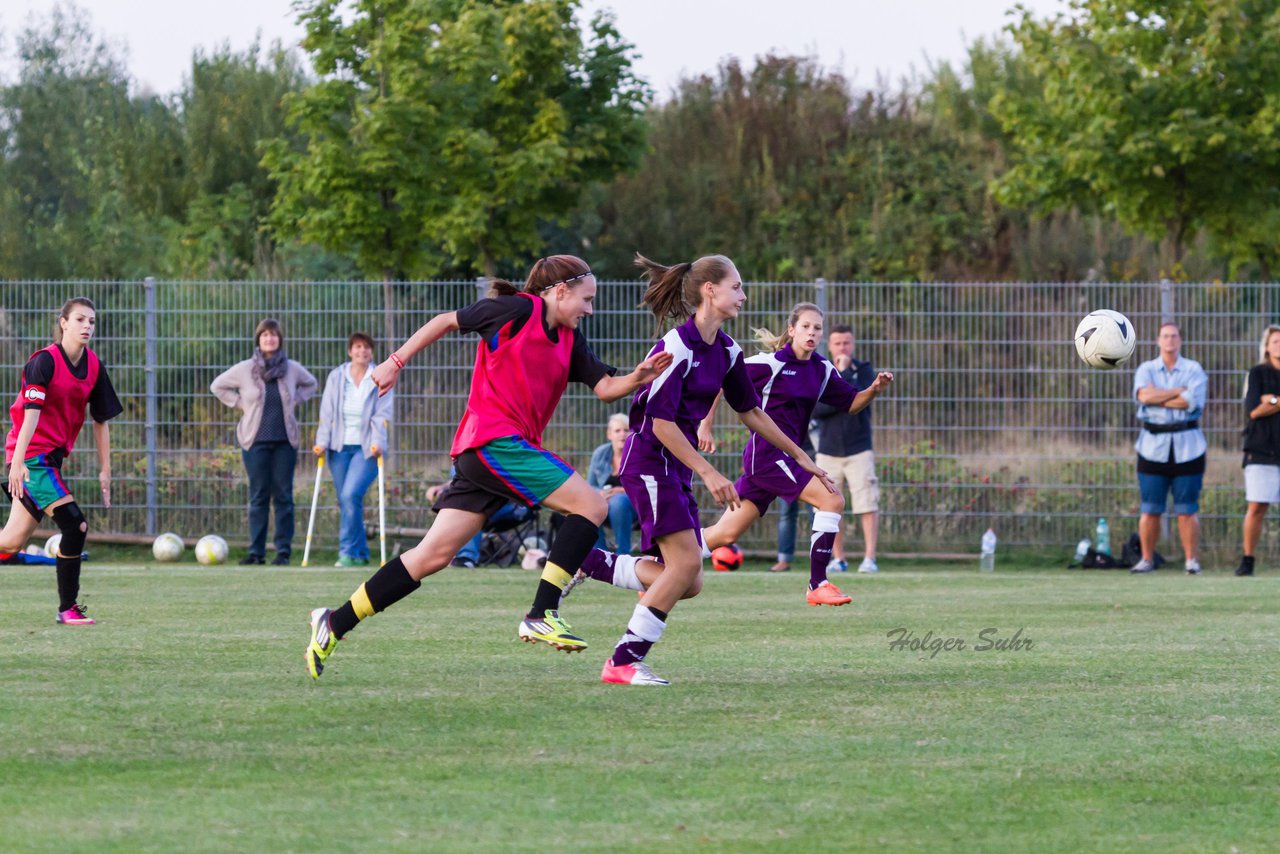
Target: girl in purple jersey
{"points": [[659, 458], [791, 379]]}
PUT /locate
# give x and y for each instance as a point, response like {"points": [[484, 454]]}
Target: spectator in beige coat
{"points": [[267, 388]]}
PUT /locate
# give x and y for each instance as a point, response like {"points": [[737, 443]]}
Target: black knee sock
{"points": [[68, 572], [391, 583], [575, 539]]}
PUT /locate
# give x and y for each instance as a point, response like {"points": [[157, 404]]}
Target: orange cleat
{"points": [[827, 593]]}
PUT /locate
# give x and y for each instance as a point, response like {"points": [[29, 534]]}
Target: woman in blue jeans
{"points": [[603, 475], [352, 435]]}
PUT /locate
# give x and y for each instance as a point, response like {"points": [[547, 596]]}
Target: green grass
{"points": [[1144, 717]]}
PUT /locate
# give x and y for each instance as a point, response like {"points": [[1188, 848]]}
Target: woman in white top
{"points": [[352, 435]]}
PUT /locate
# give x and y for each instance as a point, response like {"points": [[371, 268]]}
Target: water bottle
{"points": [[1103, 537], [987, 560], [1082, 549]]}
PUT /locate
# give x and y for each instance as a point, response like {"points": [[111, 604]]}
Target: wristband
{"points": [[397, 360]]}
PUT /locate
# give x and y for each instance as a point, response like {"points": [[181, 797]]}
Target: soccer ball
{"points": [[726, 558], [211, 550], [167, 547], [1105, 339], [51, 545]]}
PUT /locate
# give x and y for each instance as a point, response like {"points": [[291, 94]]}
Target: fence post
{"points": [[482, 287], [149, 287], [820, 300], [1166, 301]]}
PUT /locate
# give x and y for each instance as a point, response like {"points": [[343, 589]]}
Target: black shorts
{"points": [[26, 501], [505, 471]]}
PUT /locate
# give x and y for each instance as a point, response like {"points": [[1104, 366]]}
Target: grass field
{"points": [[1145, 716]]}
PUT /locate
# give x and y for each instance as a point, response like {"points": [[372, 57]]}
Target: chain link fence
{"points": [[991, 421]]}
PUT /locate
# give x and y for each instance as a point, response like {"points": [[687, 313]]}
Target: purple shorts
{"points": [[664, 505], [781, 479]]}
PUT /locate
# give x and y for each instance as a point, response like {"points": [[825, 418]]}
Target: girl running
{"points": [[530, 348], [791, 379], [57, 384], [659, 459]]}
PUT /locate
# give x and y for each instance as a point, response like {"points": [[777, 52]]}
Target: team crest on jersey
{"points": [[33, 394]]}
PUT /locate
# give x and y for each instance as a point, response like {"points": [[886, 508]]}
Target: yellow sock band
{"points": [[360, 602], [556, 576]]}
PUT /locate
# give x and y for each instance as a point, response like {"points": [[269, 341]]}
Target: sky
{"points": [[865, 39]]}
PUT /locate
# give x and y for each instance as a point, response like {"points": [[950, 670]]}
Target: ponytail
{"points": [[545, 274], [675, 292]]}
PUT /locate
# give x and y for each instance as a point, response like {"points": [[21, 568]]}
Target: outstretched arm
{"points": [[863, 398], [610, 389], [386, 374]]}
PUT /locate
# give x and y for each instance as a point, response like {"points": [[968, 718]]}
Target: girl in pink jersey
{"points": [[660, 459], [58, 383], [530, 349]]}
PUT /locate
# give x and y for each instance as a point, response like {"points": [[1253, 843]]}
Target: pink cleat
{"points": [[630, 674], [74, 616]]}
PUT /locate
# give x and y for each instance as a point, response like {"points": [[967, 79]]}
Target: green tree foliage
{"points": [[1159, 115], [229, 104], [442, 132], [91, 175]]}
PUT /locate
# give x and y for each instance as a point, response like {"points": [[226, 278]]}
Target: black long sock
{"points": [[576, 538], [68, 572], [391, 583]]}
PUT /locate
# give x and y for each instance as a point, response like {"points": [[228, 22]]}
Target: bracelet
{"points": [[396, 359]]}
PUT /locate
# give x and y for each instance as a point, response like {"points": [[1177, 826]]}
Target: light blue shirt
{"points": [[1188, 444]]}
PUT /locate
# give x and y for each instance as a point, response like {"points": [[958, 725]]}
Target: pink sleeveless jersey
{"points": [[64, 404], [516, 385]]}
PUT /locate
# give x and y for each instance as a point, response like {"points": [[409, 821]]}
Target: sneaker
{"points": [[279, 560], [838, 566], [322, 642], [1193, 566], [74, 616], [551, 630], [827, 593], [463, 563], [1143, 565], [342, 561], [780, 566], [1245, 568], [630, 674], [578, 578], [868, 565], [252, 560]]}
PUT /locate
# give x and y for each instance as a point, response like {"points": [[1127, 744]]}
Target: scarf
{"points": [[270, 368]]}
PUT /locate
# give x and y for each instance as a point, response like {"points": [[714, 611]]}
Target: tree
{"points": [[442, 132], [1159, 114]]}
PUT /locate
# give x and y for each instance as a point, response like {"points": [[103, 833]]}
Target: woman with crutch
{"points": [[351, 437]]}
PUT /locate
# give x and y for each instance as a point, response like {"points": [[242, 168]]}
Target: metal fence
{"points": [[992, 420]]}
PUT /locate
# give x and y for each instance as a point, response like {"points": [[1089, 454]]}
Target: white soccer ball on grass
{"points": [[167, 547], [211, 550]]}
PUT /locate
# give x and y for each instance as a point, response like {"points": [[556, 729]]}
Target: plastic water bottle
{"points": [[1082, 549], [1103, 537], [987, 560]]}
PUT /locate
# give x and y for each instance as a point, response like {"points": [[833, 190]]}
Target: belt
{"points": [[1171, 428]]}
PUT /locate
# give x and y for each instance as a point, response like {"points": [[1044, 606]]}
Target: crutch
{"points": [[315, 498], [382, 509]]}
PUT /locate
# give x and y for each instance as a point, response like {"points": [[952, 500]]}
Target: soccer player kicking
{"points": [[791, 380], [659, 459], [58, 382], [530, 349]]}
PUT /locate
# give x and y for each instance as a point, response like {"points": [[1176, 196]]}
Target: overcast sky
{"points": [[862, 38]]}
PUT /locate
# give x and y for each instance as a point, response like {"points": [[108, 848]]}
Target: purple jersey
{"points": [[790, 388], [684, 394]]}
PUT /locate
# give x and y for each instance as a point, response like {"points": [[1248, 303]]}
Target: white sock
{"points": [[645, 625], [824, 522], [702, 539], [624, 572]]}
